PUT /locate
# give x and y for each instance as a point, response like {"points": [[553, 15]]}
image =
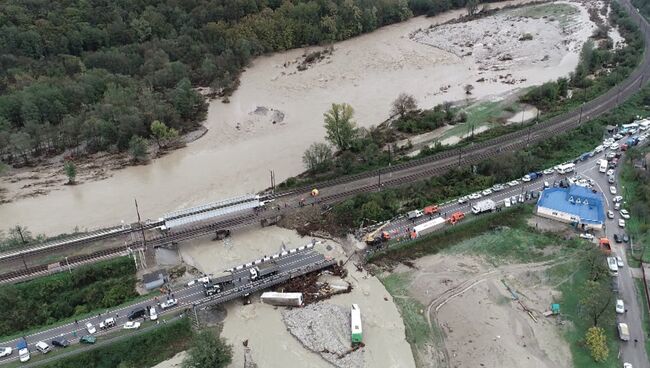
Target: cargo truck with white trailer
{"points": [[428, 226], [355, 324], [282, 299], [486, 205], [263, 270]]}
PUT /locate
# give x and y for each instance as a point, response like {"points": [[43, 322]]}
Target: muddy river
{"points": [[278, 111]]}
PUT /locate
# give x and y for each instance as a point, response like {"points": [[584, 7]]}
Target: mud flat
{"points": [[243, 142]]}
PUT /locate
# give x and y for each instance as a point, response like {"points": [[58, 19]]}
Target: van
{"points": [[603, 166], [107, 323], [43, 347], [415, 214], [153, 315], [565, 168], [136, 313], [612, 265], [623, 332]]}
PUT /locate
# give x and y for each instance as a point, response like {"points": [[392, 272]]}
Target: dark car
{"points": [[626, 238], [136, 313], [61, 342], [615, 284], [618, 238], [88, 339]]}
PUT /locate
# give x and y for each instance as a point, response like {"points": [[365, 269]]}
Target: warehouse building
{"points": [[576, 205]]}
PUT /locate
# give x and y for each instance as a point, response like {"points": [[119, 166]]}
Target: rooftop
{"points": [[576, 200]]}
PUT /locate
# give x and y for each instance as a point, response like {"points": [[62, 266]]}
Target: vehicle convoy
{"points": [[262, 271], [23, 351], [486, 205], [427, 227]]}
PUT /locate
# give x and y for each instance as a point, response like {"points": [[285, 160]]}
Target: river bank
{"points": [[274, 115]]}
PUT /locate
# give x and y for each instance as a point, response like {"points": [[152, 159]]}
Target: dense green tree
{"points": [[138, 148], [208, 351], [596, 301], [70, 171], [340, 126], [162, 134], [317, 157]]}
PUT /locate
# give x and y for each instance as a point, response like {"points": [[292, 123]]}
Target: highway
{"points": [[291, 264]]}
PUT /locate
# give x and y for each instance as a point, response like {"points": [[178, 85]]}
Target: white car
{"points": [[474, 196], [612, 189], [153, 315], [621, 223], [548, 171], [526, 178], [168, 303], [620, 306], [599, 149], [617, 205], [587, 236], [487, 192], [624, 214], [627, 365], [462, 199], [513, 183], [610, 214], [5, 351], [90, 328], [619, 262], [617, 199], [132, 325], [613, 146]]}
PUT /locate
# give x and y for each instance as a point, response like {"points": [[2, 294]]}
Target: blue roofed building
{"points": [[575, 205]]}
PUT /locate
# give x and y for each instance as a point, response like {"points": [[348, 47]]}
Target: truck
{"points": [[23, 351], [282, 299], [263, 270], [430, 210], [427, 227], [412, 215], [355, 325], [486, 205], [455, 217], [605, 246], [623, 332], [632, 141]]}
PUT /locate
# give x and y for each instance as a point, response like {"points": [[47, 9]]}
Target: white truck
{"points": [[415, 214], [486, 205], [623, 332], [428, 226]]}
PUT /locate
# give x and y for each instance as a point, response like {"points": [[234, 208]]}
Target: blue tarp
{"points": [[576, 200]]}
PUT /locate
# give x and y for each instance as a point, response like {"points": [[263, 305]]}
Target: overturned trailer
{"points": [[282, 299]]}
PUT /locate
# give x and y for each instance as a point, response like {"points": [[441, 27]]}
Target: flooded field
{"points": [[277, 112]]}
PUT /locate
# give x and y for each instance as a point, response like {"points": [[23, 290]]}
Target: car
{"points": [[618, 238], [498, 187], [462, 200], [474, 196], [153, 315], [614, 146], [90, 328], [546, 184], [612, 189], [5, 351], [619, 262], [614, 284], [513, 183], [526, 178], [136, 313], [611, 179], [621, 223], [624, 214], [548, 171], [618, 136], [487, 192], [88, 339], [587, 236], [610, 214], [626, 238], [627, 365], [620, 306], [610, 156], [521, 198], [617, 199], [610, 172], [599, 149], [61, 342], [132, 325], [168, 303], [617, 206], [191, 282]]}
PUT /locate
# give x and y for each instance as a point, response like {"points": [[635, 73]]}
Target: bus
{"points": [[565, 168]]}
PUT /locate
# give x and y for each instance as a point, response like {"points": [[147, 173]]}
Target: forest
{"points": [[93, 74]]}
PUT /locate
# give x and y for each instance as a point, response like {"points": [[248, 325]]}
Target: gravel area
{"points": [[325, 329]]}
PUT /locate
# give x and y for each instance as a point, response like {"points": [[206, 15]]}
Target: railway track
{"points": [[403, 173]]}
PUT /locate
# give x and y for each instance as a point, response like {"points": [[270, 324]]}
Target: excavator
{"points": [[377, 236]]}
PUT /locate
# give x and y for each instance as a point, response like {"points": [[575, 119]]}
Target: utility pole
{"points": [[144, 239], [272, 181], [580, 119], [68, 263]]}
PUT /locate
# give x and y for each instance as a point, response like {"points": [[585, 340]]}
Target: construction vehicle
{"points": [[430, 210], [455, 217], [605, 246], [377, 236], [555, 310]]}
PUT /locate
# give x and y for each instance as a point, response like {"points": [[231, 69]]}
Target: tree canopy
{"points": [[339, 126], [208, 351]]}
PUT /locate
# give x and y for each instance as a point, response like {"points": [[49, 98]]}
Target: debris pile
{"points": [[318, 286], [325, 329]]}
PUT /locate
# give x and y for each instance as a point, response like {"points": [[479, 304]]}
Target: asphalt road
{"points": [[187, 296]]}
